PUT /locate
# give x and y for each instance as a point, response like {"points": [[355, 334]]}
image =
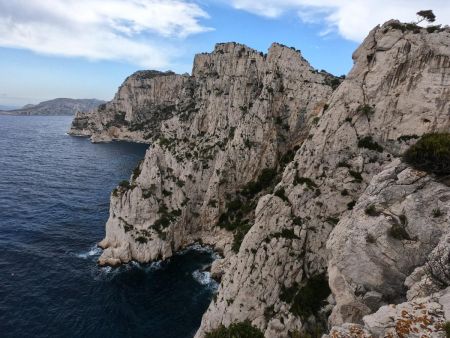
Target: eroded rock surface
{"points": [[309, 181]]}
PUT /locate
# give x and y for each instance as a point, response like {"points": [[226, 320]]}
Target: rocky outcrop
{"points": [[212, 134], [302, 189], [55, 107], [423, 317], [393, 94]]}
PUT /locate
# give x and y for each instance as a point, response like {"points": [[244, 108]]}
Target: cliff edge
{"points": [[297, 177]]}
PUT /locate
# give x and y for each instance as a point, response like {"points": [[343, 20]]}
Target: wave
{"points": [[204, 278], [93, 251]]}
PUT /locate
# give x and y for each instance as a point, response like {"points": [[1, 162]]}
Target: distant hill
{"points": [[4, 107], [61, 106]]}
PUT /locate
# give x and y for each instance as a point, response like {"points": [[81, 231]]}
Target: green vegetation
{"points": [[437, 213], [343, 164], [142, 239], [365, 109], [398, 229], [307, 300], [126, 226], [351, 205], [125, 184], [371, 210], [310, 184], [369, 143], [137, 171], [332, 220], [434, 28], [239, 235], [405, 138], [236, 330], [370, 239], [426, 15], [285, 233], [404, 27], [281, 194], [431, 154], [446, 328], [356, 175], [264, 180]]}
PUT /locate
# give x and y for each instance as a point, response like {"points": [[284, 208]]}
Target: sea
{"points": [[54, 203]]}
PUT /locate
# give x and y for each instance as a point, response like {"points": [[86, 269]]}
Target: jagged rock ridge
{"points": [[330, 217]]}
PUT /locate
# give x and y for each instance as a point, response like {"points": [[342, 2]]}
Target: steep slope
{"points": [[211, 134], [348, 229], [59, 106], [397, 90]]}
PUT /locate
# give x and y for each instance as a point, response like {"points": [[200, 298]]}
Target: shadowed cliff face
{"points": [[333, 155]]}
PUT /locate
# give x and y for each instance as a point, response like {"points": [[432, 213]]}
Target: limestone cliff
{"points": [[300, 187], [212, 134], [397, 90]]}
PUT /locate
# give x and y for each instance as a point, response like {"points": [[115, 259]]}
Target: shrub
{"points": [[371, 211], [137, 171], [398, 229], [399, 232], [124, 184], [288, 294], [437, 212], [344, 192], [236, 330], [264, 180], [446, 328], [431, 154], [142, 239], [365, 109], [370, 239], [405, 138], [332, 220], [356, 175], [343, 164], [369, 143], [434, 28], [350, 205], [285, 233], [240, 232], [309, 298], [305, 180], [281, 194]]}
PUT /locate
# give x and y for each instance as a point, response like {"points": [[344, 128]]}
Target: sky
{"points": [[86, 48]]}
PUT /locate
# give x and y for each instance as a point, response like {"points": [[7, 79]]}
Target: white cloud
{"points": [[353, 19], [135, 31]]}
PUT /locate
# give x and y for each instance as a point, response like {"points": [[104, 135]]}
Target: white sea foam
{"points": [[204, 278], [93, 251]]}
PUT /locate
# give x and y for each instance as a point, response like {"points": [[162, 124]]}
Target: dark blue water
{"points": [[54, 199]]}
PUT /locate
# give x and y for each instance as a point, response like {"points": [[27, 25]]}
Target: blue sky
{"points": [[86, 48]]}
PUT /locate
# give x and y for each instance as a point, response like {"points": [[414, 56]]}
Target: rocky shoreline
{"points": [[297, 177]]}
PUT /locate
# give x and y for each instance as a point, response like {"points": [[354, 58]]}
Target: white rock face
{"points": [[345, 209], [423, 317], [238, 114], [395, 89]]}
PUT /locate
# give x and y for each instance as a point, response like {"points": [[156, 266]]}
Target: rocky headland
{"points": [[60, 106], [298, 178]]}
